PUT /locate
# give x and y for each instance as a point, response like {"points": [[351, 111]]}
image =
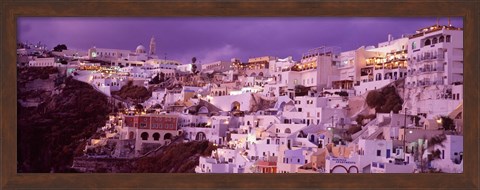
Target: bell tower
{"points": [[152, 46]]}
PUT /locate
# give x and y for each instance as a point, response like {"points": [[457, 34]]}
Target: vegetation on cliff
{"points": [[385, 100], [133, 92]]}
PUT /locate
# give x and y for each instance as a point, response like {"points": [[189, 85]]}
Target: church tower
{"points": [[152, 46]]}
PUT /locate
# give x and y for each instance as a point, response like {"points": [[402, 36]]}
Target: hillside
{"points": [[51, 133], [177, 158]]}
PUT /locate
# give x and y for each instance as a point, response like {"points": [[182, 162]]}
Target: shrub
{"points": [[385, 100], [353, 129]]}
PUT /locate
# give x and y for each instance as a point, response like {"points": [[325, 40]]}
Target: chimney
{"points": [[389, 37]]}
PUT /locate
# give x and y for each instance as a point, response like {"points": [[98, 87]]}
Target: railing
{"points": [[303, 69], [430, 58]]}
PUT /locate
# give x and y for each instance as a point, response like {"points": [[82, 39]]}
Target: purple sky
{"points": [[210, 39]]}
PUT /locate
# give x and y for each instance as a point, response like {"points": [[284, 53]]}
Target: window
{"points": [[414, 45], [441, 39], [154, 126], [298, 160], [448, 38], [379, 152]]}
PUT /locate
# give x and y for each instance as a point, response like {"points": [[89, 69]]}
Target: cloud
{"points": [[224, 53]]}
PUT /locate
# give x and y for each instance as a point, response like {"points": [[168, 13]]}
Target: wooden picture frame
{"points": [[11, 10]]}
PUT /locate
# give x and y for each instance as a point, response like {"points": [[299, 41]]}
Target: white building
{"points": [[219, 66], [451, 155], [43, 62], [383, 65], [435, 56], [435, 75]]}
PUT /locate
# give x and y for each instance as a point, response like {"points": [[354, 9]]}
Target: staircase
{"points": [[361, 133]]}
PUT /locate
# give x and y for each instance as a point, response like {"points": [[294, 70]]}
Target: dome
{"points": [[140, 47]]}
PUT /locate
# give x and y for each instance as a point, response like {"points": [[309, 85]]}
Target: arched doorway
{"points": [[156, 136], [144, 136], [200, 136], [353, 169], [339, 169], [167, 136]]}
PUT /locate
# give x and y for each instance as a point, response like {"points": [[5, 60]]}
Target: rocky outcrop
{"points": [[50, 134]]}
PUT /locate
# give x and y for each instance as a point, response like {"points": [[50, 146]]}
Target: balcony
{"points": [[304, 68], [430, 58], [424, 70]]}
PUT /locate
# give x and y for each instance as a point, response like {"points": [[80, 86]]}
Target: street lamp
{"points": [[331, 130]]}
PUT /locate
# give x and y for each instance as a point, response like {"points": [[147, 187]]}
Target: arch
{"points": [[287, 130], [427, 42], [200, 136], [144, 136], [253, 74], [260, 74], [353, 169], [156, 136], [441, 39], [131, 135], [203, 110], [434, 40], [167, 136], [235, 106], [339, 169]]}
